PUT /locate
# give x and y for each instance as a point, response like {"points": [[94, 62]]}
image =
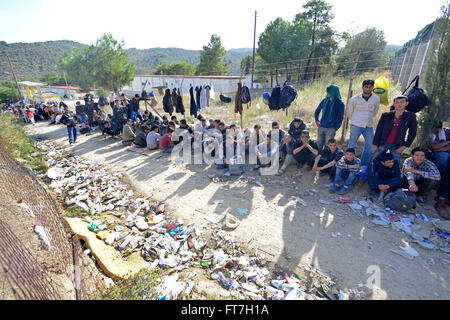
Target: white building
{"points": [[155, 83]]}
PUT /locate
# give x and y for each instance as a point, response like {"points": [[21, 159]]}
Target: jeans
{"points": [[331, 170], [168, 150], [441, 159], [72, 131], [393, 183], [368, 135], [323, 135], [84, 118], [349, 177], [303, 158], [444, 188], [425, 186], [385, 147]]}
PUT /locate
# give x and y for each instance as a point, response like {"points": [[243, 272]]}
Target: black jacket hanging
{"points": [[179, 107], [167, 102], [193, 109]]}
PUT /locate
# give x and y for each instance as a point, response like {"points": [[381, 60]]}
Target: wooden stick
{"points": [[345, 124]]}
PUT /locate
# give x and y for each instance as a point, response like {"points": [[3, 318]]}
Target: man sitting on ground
{"points": [[153, 138], [296, 128], [419, 174], [304, 151], [443, 194], [326, 161], [384, 175], [166, 144], [141, 137], [347, 168], [264, 152], [164, 125], [440, 145], [128, 133]]}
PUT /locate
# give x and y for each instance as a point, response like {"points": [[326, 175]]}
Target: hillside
{"points": [[33, 60]]}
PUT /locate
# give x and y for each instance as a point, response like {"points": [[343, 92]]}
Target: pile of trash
{"points": [[428, 233], [133, 224]]}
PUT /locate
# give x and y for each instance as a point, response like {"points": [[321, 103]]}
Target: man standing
{"points": [[384, 175], [68, 119], [419, 174], [134, 104], [396, 130], [333, 110], [326, 161], [361, 110]]}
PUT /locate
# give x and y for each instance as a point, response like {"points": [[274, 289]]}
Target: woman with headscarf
{"points": [[167, 102], [332, 108]]}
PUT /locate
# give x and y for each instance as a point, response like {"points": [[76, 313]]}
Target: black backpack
{"points": [[245, 95], [224, 98], [416, 97], [288, 95], [400, 200], [274, 100]]}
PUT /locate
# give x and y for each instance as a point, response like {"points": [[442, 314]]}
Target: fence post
{"points": [[345, 124]]}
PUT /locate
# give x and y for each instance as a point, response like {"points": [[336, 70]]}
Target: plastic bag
{"points": [[381, 89]]}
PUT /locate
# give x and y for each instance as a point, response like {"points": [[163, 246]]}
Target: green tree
{"points": [[104, 64], [52, 80], [180, 68], [436, 80], [8, 92], [372, 45], [317, 14], [212, 58]]}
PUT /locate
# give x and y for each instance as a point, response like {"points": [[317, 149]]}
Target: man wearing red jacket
{"points": [[395, 131]]}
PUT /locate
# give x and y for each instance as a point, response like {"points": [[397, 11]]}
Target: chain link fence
{"points": [[26, 277]]}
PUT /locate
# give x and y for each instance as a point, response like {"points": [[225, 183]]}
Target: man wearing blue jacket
{"points": [[333, 110], [384, 175], [134, 103]]}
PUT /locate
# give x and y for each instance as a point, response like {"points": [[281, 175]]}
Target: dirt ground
{"points": [[288, 233]]}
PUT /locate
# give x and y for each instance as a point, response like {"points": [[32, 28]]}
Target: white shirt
{"points": [[151, 139], [262, 148], [361, 112]]}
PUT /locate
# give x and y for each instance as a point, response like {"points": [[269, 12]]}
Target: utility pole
{"points": [[253, 63], [15, 78]]}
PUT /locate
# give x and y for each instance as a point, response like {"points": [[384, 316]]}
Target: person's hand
{"points": [[413, 187], [409, 169], [318, 124], [383, 187], [259, 155], [315, 168], [400, 150], [374, 149]]}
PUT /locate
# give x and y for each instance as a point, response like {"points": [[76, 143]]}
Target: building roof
{"points": [[63, 87], [188, 76], [31, 84]]}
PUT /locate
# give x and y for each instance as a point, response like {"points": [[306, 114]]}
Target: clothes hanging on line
{"points": [[179, 106], [203, 100], [193, 108], [197, 96]]}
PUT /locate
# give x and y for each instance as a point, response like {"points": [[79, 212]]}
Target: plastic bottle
{"points": [[270, 291], [287, 287], [224, 280], [277, 283], [278, 296]]}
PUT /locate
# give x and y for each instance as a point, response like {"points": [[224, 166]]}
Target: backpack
{"points": [[416, 97], [400, 200], [245, 95], [274, 99], [287, 96], [224, 98]]}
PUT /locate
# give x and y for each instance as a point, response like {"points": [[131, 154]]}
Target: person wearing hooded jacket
{"points": [[167, 102], [333, 110]]}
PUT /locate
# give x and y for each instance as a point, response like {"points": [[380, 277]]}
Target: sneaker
{"points": [[257, 167], [334, 189], [343, 190], [280, 172], [420, 200]]}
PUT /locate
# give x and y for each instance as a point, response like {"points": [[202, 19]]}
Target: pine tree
{"points": [[212, 58]]}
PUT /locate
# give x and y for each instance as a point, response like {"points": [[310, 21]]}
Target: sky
{"points": [[189, 24]]}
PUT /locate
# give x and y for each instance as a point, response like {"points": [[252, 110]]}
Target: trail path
{"points": [[289, 233]]}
